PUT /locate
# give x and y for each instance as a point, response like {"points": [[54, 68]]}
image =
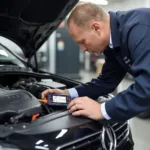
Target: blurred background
{"points": [[60, 55]]}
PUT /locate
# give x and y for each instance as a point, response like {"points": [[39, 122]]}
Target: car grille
{"points": [[110, 137], [121, 131]]}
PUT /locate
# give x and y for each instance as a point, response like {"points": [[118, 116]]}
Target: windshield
{"points": [[9, 58]]}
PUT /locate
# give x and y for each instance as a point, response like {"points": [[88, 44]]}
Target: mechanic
{"points": [[124, 38]]}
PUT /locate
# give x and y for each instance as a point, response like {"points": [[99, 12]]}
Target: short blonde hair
{"points": [[85, 12]]}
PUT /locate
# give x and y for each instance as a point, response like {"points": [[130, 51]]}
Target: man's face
{"points": [[93, 39]]}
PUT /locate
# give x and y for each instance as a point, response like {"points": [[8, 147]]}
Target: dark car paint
{"points": [[30, 23], [79, 131]]}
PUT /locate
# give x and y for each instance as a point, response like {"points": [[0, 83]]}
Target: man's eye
{"points": [[82, 42]]}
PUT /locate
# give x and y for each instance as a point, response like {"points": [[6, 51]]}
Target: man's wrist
{"points": [[98, 113], [66, 92]]}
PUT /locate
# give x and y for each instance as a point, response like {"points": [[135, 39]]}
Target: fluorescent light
{"points": [[101, 2]]}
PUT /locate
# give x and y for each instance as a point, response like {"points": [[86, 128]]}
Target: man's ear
{"points": [[96, 27]]}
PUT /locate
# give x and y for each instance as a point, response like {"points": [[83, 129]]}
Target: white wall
{"points": [[126, 4]]}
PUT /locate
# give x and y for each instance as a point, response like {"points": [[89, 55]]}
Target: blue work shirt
{"points": [[130, 31]]}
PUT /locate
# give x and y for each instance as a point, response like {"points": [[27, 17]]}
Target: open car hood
{"points": [[29, 23]]}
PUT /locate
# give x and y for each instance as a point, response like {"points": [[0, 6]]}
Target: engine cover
{"points": [[15, 102]]}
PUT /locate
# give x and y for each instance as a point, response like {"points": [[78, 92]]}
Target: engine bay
{"points": [[25, 117], [20, 98]]}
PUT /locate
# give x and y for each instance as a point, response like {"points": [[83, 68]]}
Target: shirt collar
{"points": [[115, 34], [110, 43]]}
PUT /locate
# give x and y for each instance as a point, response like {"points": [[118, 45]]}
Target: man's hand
{"points": [[56, 91], [84, 106]]}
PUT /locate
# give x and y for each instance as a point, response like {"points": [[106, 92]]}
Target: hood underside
{"points": [[29, 23]]}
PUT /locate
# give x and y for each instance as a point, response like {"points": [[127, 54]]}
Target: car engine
{"points": [[20, 98], [16, 104], [22, 110]]}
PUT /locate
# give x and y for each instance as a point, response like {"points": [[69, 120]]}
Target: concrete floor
{"points": [[140, 128]]}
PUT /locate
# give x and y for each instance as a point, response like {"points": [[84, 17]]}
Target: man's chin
{"points": [[97, 53]]}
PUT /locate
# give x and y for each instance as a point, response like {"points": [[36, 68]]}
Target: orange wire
{"points": [[35, 116], [42, 100]]}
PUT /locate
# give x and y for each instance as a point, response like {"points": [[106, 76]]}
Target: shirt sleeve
{"points": [[104, 113], [73, 93]]}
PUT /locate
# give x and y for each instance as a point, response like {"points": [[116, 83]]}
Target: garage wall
{"points": [[126, 4]]}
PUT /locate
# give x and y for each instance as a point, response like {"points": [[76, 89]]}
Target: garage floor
{"points": [[140, 128]]}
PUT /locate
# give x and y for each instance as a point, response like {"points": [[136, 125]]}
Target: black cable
{"points": [[36, 63], [45, 107], [15, 119]]}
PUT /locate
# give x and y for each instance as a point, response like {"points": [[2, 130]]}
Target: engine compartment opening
{"points": [[20, 98], [22, 103]]}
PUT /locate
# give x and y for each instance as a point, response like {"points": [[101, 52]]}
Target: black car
{"points": [[27, 123]]}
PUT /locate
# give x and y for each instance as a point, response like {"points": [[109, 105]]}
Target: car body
{"points": [[25, 122]]}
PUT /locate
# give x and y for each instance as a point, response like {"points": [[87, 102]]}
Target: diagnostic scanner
{"points": [[58, 99]]}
